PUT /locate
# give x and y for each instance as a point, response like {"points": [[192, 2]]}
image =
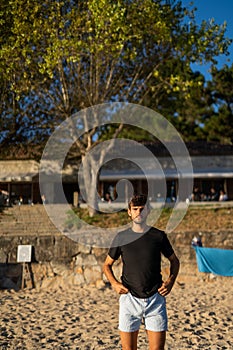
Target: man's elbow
{"points": [[174, 261], [174, 258]]}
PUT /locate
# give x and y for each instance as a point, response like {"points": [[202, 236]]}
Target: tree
{"points": [[59, 57], [218, 126]]}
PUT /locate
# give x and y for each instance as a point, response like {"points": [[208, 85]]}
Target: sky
{"points": [[220, 10]]}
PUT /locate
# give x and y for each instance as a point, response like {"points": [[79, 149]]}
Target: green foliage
{"points": [[72, 221], [218, 126], [58, 57], [116, 219], [77, 215]]}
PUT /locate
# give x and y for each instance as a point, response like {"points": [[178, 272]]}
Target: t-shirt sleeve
{"points": [[167, 249], [115, 251]]}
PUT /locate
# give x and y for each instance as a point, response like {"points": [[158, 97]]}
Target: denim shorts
{"points": [[134, 310]]}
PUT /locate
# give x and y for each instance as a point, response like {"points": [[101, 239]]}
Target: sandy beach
{"points": [[200, 317]]}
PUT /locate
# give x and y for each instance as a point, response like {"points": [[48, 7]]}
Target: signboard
{"points": [[24, 253]]}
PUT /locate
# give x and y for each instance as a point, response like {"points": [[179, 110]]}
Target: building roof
{"points": [[197, 148], [18, 170], [202, 167], [136, 166]]}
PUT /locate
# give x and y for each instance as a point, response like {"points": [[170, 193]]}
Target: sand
{"points": [[200, 317]]}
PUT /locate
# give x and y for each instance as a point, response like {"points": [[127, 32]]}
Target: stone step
{"points": [[25, 219]]}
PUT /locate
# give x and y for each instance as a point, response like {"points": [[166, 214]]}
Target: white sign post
{"points": [[24, 255]]}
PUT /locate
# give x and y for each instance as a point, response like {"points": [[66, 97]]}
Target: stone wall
{"points": [[58, 261]]}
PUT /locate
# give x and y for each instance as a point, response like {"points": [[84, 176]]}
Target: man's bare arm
{"points": [[174, 270], [107, 268]]}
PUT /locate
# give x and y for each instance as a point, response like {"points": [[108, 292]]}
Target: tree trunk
{"points": [[89, 192]]}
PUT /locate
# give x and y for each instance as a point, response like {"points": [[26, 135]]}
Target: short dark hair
{"points": [[138, 200]]}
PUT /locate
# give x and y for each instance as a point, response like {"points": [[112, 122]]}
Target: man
{"points": [[142, 291]]}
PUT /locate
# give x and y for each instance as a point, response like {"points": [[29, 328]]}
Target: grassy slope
{"points": [[196, 219]]}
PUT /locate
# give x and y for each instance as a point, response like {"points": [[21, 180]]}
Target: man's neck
{"points": [[139, 228]]}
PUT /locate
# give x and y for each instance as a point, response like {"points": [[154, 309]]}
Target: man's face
{"points": [[138, 214]]}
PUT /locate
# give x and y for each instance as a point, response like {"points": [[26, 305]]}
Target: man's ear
{"points": [[129, 212]]}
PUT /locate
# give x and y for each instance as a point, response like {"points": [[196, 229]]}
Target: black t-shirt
{"points": [[141, 258]]}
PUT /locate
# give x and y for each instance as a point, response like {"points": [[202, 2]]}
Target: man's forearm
{"points": [[174, 268], [118, 286], [109, 274]]}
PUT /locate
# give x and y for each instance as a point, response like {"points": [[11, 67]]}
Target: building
{"points": [[19, 180], [212, 167]]}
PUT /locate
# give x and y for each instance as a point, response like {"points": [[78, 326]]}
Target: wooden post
{"points": [[23, 275]]}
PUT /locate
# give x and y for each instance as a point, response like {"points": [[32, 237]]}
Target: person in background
{"points": [[196, 195], [142, 290], [223, 196], [43, 198], [108, 197], [196, 241], [214, 196], [20, 201]]}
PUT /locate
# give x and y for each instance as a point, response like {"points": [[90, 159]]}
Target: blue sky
{"points": [[220, 10]]}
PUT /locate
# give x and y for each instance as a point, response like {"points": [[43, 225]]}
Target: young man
{"points": [[142, 291]]}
